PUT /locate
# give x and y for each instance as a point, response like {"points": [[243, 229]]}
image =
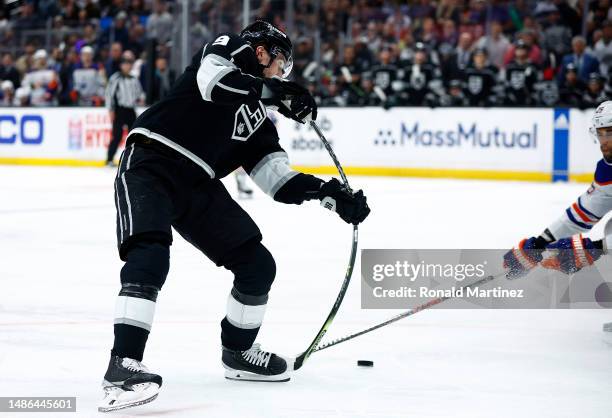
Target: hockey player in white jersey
{"points": [[566, 232]]}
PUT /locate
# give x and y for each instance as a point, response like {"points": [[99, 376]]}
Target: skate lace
{"points": [[256, 356], [133, 365]]}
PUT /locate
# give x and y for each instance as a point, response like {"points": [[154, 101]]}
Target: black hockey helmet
{"points": [[275, 41]]}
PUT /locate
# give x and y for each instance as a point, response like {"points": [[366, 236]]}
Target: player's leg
{"points": [[254, 271], [220, 228], [117, 133], [144, 213]]}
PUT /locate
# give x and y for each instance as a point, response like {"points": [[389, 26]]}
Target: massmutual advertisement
{"points": [[495, 143]]}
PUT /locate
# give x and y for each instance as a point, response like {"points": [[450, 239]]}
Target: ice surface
{"points": [[59, 274]]}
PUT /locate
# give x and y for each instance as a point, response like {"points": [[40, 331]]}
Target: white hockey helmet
{"points": [[602, 118]]}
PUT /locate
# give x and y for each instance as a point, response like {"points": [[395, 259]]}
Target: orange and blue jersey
{"points": [[590, 207]]}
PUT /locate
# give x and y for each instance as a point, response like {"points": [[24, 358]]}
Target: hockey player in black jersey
{"points": [[212, 122], [480, 79], [520, 76]]}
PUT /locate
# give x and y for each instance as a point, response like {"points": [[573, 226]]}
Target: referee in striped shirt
{"points": [[123, 94]]}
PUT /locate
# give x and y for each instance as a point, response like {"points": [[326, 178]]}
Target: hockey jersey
{"points": [[589, 208], [214, 117]]}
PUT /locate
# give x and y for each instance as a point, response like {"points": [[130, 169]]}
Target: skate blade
{"points": [[118, 398], [253, 377]]}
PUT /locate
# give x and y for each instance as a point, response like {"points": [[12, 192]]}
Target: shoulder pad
{"points": [[603, 173]]}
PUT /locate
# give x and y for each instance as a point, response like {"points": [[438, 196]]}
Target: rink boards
{"points": [[477, 143]]}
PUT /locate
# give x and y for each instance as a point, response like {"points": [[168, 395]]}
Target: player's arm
{"points": [[570, 250], [222, 75], [269, 168], [566, 232]]}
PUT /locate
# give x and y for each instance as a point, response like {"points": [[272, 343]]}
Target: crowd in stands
{"points": [[348, 52]]}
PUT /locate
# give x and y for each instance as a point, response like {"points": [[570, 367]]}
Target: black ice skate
{"points": [[128, 383], [254, 365]]}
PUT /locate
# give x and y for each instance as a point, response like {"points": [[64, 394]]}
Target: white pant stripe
{"points": [[129, 204]]}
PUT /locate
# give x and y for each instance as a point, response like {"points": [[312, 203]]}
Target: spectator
{"points": [[534, 52], [88, 80], [66, 67], [24, 62], [137, 8], [89, 35], [572, 88], [448, 10], [480, 79], [420, 10], [92, 9], [28, 19], [373, 40], [520, 76], [459, 59], [114, 59], [428, 34], [496, 44], [47, 9], [399, 21], [584, 63], [136, 39], [594, 94], [556, 36], [22, 97], [70, 12], [8, 93], [364, 58], [8, 70], [603, 48], [164, 79], [160, 23], [42, 81], [117, 31], [569, 16], [449, 33]]}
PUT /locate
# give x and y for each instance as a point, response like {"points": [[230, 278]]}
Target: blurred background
{"points": [[348, 52]]}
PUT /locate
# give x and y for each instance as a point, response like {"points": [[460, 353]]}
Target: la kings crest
{"points": [[248, 118], [475, 84]]}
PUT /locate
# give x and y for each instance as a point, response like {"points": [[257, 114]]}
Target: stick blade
{"points": [[299, 361]]}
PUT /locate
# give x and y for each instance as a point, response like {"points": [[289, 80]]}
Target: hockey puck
{"points": [[365, 363]]}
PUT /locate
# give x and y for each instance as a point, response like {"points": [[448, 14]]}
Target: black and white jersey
{"points": [[520, 80], [123, 91], [383, 76], [417, 79], [214, 117], [479, 83]]}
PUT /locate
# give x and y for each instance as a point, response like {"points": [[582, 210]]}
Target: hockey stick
{"points": [[300, 359], [408, 313]]}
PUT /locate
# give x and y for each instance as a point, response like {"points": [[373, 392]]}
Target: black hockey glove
{"points": [[301, 108], [275, 90], [292, 100], [351, 207]]}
